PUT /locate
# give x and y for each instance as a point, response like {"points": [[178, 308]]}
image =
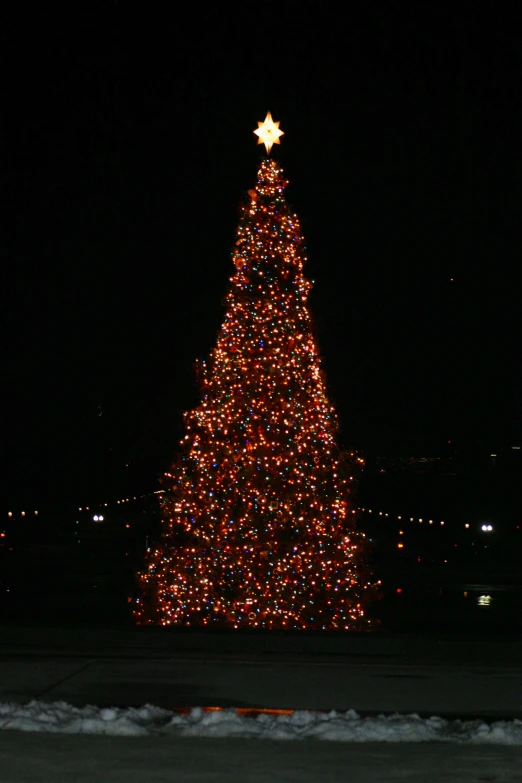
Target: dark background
{"points": [[128, 147]]}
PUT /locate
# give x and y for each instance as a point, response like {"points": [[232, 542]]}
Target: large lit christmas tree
{"points": [[258, 528]]}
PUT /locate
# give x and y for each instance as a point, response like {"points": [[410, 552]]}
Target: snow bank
{"points": [[337, 726]]}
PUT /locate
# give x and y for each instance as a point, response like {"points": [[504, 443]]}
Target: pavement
{"points": [[51, 758], [176, 668], [428, 674]]}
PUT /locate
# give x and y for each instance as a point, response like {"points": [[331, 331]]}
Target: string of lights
{"points": [[485, 527]]}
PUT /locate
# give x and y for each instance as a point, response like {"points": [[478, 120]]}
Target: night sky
{"points": [[128, 147]]}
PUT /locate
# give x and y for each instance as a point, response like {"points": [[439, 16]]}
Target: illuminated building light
{"points": [[400, 545], [9, 513], [466, 525], [442, 522], [23, 513]]}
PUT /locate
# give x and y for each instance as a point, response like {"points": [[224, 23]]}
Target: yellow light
{"points": [[268, 132]]}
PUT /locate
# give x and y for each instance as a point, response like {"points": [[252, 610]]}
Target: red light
{"points": [[399, 590]]}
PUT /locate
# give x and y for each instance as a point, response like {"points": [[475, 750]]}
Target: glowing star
{"points": [[268, 132]]}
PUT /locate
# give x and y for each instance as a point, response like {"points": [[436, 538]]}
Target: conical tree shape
{"points": [[258, 529]]}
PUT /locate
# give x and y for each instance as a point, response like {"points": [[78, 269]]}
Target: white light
{"points": [[95, 518], [484, 600], [487, 528], [100, 519]]}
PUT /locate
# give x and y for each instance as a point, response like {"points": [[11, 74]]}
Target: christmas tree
{"points": [[258, 528]]}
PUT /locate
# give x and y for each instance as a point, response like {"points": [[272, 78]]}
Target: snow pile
{"points": [[346, 727], [337, 726], [62, 718]]}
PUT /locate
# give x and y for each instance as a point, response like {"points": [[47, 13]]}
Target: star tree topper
{"points": [[268, 132]]}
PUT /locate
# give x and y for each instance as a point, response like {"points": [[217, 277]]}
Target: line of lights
{"points": [[400, 517], [14, 514], [486, 527]]}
